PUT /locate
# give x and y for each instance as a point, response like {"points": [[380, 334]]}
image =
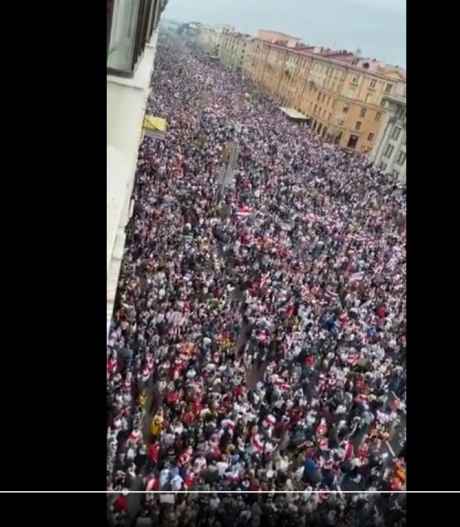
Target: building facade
{"points": [[232, 49], [210, 37], [132, 31], [389, 153], [341, 94]]}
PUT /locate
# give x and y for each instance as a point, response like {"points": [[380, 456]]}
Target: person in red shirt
{"points": [[189, 417], [120, 504], [153, 454]]}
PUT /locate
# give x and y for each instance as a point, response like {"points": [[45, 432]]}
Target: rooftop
{"points": [[346, 59], [285, 35]]}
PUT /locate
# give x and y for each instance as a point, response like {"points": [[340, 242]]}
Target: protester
{"points": [[293, 510], [259, 333]]}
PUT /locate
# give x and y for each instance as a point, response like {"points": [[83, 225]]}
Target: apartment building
{"points": [[389, 153], [232, 49], [210, 37], [339, 92], [132, 30]]}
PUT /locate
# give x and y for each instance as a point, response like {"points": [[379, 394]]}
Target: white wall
{"points": [[126, 104]]}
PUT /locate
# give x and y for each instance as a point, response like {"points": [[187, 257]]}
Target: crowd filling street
{"points": [[279, 510], [258, 337]]}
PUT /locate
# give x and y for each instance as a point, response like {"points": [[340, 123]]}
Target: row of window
{"points": [[372, 85], [129, 28], [389, 151], [363, 113], [383, 166]]}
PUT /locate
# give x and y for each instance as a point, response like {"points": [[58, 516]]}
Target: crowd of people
{"points": [[250, 510], [258, 339]]}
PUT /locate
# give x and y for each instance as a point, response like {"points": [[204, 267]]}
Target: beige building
{"points": [[340, 93], [389, 153], [210, 37], [232, 49]]}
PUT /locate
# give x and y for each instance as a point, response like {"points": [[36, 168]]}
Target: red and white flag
{"points": [[257, 443], [264, 280], [244, 212]]}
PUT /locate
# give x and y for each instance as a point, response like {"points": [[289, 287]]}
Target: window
{"points": [[122, 39], [353, 141], [372, 84], [396, 133], [370, 137], [109, 21], [363, 112], [401, 158], [129, 28], [378, 116], [345, 109], [388, 150], [388, 88], [383, 166], [146, 12], [358, 125], [354, 81]]}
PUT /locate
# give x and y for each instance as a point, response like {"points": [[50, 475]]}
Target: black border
{"points": [[432, 270], [54, 250], [54, 253]]}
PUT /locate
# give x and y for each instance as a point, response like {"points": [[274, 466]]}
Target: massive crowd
{"points": [[258, 339], [250, 510]]}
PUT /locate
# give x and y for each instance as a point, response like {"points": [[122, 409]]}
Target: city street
{"points": [[259, 288]]}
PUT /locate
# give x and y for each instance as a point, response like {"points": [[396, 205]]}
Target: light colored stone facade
{"points": [[232, 49], [389, 153]]}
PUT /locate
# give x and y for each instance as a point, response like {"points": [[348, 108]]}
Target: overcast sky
{"points": [[377, 27]]}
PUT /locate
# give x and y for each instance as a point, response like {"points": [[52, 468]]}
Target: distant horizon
{"points": [[337, 48], [376, 27]]}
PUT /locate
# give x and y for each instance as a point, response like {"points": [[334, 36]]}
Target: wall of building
{"points": [[232, 49], [389, 153], [322, 87], [126, 104], [209, 39]]}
